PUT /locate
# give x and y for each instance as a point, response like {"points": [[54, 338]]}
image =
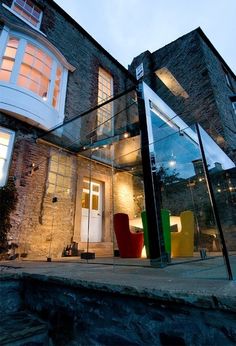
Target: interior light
{"points": [[126, 134], [172, 161], [218, 190], [45, 96]]}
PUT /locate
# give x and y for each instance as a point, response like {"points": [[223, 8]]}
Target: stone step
{"points": [[22, 328], [102, 249]]}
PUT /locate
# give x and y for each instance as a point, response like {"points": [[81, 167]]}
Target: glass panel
{"points": [[3, 151], [85, 200], [7, 64], [4, 138], [95, 202], [96, 188], [5, 75], [10, 52], [222, 175], [34, 68], [52, 178], [20, 2], [28, 59], [28, 10], [181, 196], [86, 184]]}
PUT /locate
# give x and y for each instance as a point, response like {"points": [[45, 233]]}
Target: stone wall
{"points": [[80, 314], [199, 72], [40, 227]]}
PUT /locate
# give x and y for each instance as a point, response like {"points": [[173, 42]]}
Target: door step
{"points": [[103, 249]]}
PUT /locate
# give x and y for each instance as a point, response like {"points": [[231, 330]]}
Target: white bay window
{"points": [[30, 67], [33, 79]]}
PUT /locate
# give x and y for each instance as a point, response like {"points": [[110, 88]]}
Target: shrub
{"points": [[8, 201]]}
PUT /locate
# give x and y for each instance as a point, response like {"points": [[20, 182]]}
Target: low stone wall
{"points": [[10, 294], [80, 314]]}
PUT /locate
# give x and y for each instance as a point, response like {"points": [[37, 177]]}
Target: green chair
{"points": [[145, 232], [165, 219]]}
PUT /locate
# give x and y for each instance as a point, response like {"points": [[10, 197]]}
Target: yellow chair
{"points": [[182, 242]]}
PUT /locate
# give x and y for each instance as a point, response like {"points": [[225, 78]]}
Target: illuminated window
{"points": [[8, 59], [6, 146], [29, 11], [227, 78], [34, 69], [234, 106], [60, 174], [171, 82], [105, 92]]}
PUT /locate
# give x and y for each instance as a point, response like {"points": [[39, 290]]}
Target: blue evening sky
{"points": [[126, 28]]}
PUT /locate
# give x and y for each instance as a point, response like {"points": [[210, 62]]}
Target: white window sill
{"points": [[23, 20]]}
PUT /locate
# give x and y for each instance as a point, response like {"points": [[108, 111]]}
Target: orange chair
{"points": [[182, 242], [130, 244]]}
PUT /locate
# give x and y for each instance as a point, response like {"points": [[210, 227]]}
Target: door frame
{"points": [[105, 178]]}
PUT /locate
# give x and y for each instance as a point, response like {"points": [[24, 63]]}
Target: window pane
{"points": [[25, 70], [35, 76], [86, 184], [33, 86], [28, 6], [20, 2], [10, 52], [28, 10], [4, 138], [96, 188], [2, 163], [60, 180], [53, 166], [5, 75], [13, 42], [3, 151], [23, 81], [7, 64], [36, 13], [52, 178], [30, 49], [85, 200], [48, 60], [61, 169], [95, 202], [54, 158], [28, 59], [51, 188]]}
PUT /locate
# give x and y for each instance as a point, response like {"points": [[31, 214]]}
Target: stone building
{"points": [[74, 162], [51, 71], [193, 79]]}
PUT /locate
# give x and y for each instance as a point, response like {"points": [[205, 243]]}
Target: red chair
{"points": [[130, 244]]}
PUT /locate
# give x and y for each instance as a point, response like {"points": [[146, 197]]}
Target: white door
{"points": [[91, 221]]}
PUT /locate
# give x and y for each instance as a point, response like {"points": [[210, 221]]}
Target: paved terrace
{"points": [[201, 283]]}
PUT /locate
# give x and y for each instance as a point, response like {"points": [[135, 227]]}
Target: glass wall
{"points": [[180, 179], [142, 196], [221, 173]]}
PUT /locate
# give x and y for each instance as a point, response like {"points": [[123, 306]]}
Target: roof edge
{"points": [[85, 33]]}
